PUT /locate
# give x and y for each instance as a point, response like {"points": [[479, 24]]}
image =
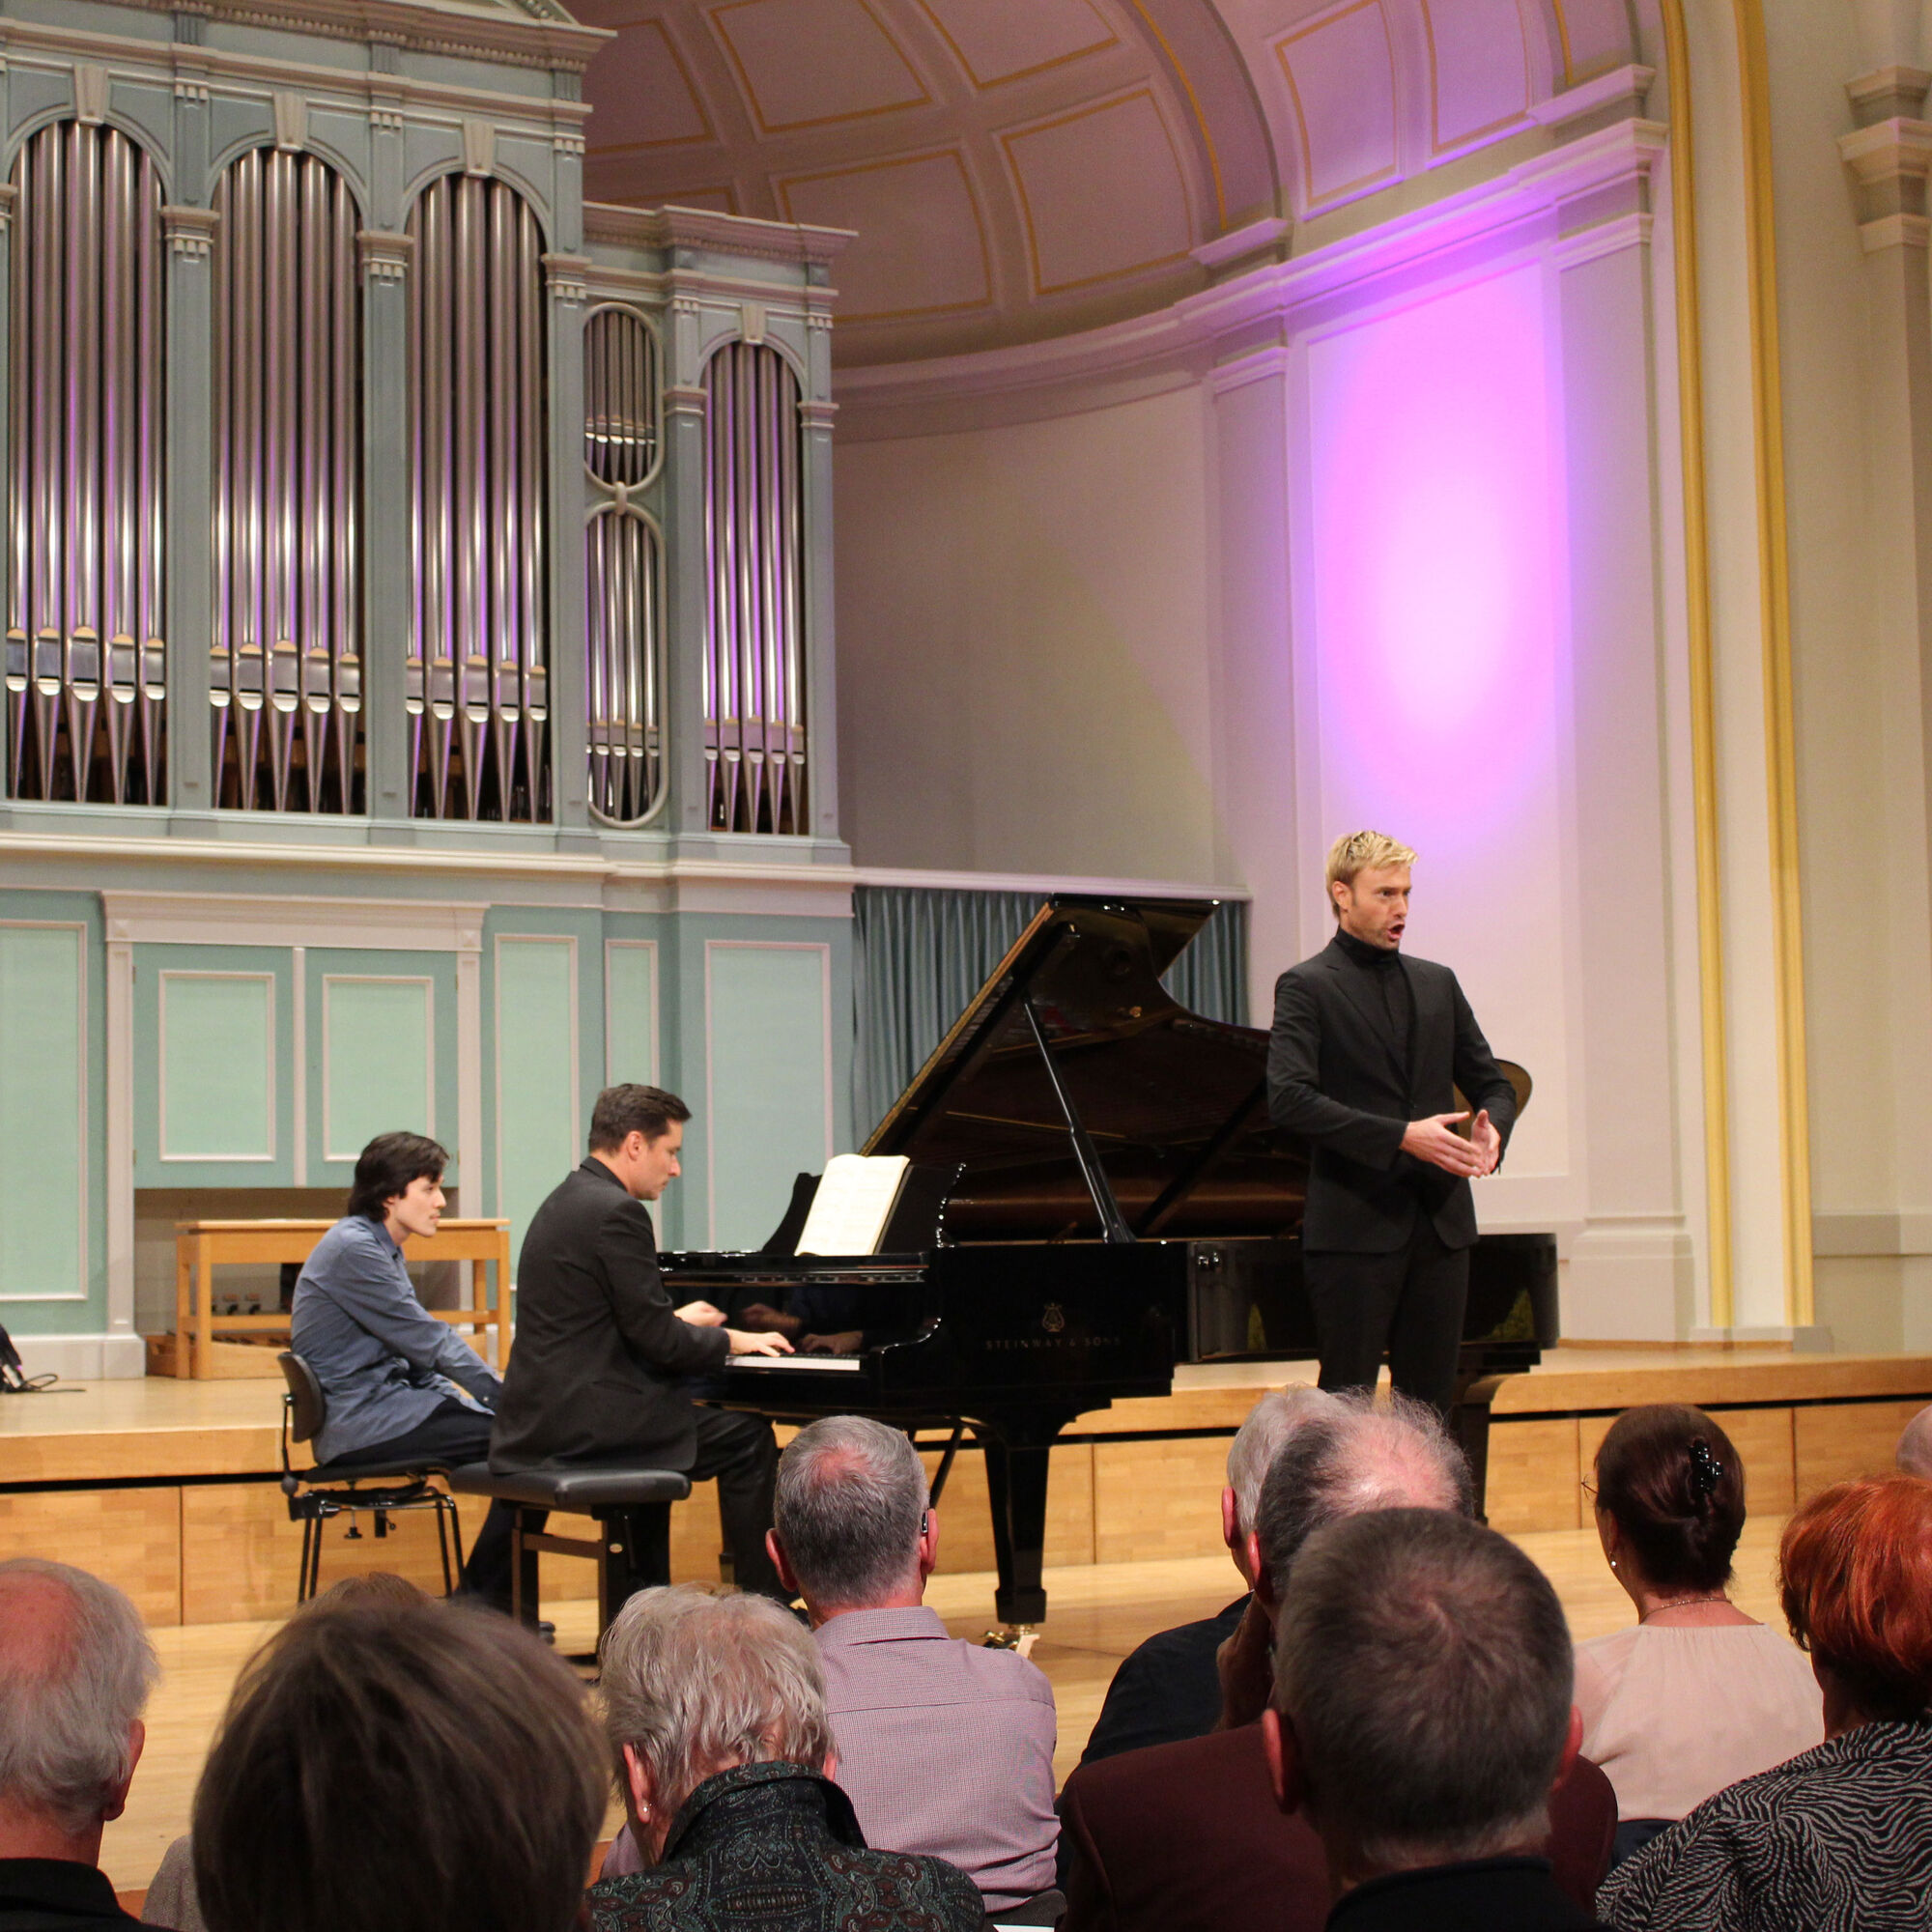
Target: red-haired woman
{"points": [[1695, 1695], [1839, 1839]]}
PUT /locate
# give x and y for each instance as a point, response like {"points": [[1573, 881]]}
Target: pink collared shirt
{"points": [[944, 1746]]}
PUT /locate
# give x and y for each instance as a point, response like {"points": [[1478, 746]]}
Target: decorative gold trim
{"points": [[1108, 40], [1200, 114], [1007, 136], [1361, 182], [1438, 147], [698, 100], [784, 185], [1563, 43], [1780, 728], [922, 98], [1703, 704]]}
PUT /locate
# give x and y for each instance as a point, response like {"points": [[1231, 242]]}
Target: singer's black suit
{"points": [[1364, 1042]]}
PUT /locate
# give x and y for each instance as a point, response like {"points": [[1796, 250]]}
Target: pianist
{"points": [[601, 1359]]}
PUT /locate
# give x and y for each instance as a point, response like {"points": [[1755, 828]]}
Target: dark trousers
{"points": [[741, 1454], [445, 1439], [1409, 1303]]}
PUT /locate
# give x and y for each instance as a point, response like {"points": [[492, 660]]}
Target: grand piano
{"points": [[1095, 1194]]}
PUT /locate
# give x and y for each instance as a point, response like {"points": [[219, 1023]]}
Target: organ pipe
{"points": [[754, 724], [86, 663], [285, 678], [476, 687], [623, 567]]}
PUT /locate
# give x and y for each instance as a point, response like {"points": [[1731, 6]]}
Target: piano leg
{"points": [[1469, 1423], [1016, 1469]]}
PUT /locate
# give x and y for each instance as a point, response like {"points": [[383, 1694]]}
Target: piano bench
{"points": [[631, 1509]]}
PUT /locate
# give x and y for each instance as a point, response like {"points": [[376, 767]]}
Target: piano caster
{"points": [[1020, 1638]]}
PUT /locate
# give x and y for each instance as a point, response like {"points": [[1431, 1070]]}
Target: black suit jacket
{"points": [[1334, 1077], [1166, 1690], [1486, 1896], [600, 1352], [1187, 1838]]}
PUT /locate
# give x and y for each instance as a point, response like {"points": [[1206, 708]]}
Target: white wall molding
{"points": [[215, 918], [1071, 373], [1905, 1230], [1044, 883], [84, 1358]]}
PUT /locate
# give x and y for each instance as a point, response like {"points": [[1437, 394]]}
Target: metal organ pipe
{"points": [[285, 664], [753, 673], [475, 677], [85, 672], [623, 564]]}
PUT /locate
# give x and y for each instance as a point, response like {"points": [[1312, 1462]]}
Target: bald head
{"points": [[1356, 1455], [75, 1669], [1915, 1445]]}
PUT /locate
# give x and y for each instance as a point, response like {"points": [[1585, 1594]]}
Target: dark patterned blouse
{"points": [[777, 1847], [1836, 1839]]}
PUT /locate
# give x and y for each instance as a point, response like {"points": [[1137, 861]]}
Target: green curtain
{"points": [[920, 953]]}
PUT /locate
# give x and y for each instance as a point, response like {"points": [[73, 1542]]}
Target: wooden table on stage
{"points": [[201, 1245]]}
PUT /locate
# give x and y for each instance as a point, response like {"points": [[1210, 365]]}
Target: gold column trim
{"points": [[1779, 728], [1703, 708]]}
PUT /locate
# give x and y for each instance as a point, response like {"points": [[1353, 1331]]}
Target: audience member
{"points": [[1695, 1694], [856, 1539], [1839, 1838], [1169, 1689], [170, 1898], [398, 1383], [75, 1670], [1421, 1717], [1185, 1837], [1914, 1444], [716, 1712], [399, 1768]]}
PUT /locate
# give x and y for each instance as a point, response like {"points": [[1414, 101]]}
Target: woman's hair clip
{"points": [[1706, 1471]]}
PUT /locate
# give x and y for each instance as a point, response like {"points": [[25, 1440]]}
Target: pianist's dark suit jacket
{"points": [[600, 1352], [1186, 1837], [1334, 1077]]}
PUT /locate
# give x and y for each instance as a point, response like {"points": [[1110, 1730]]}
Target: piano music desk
{"points": [[201, 1246]]}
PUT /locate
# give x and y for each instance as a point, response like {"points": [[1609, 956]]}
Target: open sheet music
{"points": [[853, 1205]]}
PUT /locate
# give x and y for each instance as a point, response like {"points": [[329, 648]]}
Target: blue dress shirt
{"points": [[384, 1362]]}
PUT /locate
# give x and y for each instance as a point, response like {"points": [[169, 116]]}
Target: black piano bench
{"points": [[631, 1508]]}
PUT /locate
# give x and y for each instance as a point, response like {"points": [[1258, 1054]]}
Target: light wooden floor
{"points": [[1099, 1612]]}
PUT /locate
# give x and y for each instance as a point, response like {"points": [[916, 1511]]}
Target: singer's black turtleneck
{"points": [[1384, 964]]}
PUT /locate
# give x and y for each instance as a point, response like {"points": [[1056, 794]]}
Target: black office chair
{"points": [[334, 1489]]}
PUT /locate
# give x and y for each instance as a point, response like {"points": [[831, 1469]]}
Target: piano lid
{"points": [[1173, 1107], [1169, 1107]]}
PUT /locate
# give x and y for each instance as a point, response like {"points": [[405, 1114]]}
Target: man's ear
{"points": [[1283, 1760], [774, 1550], [137, 1738], [1258, 1570], [1231, 1525], [639, 1791], [1572, 1745], [928, 1545]]}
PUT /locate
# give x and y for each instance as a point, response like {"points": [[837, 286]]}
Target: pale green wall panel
{"points": [[217, 1066], [769, 1111], [539, 1124], [378, 1066], [630, 1011], [43, 1082]]}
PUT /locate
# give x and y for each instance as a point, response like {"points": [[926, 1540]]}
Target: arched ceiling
{"points": [[1017, 169]]}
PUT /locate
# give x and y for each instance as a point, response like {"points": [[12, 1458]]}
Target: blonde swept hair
{"points": [[1361, 852]]}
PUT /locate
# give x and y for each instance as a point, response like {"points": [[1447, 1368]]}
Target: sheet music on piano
{"points": [[854, 1203]]}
